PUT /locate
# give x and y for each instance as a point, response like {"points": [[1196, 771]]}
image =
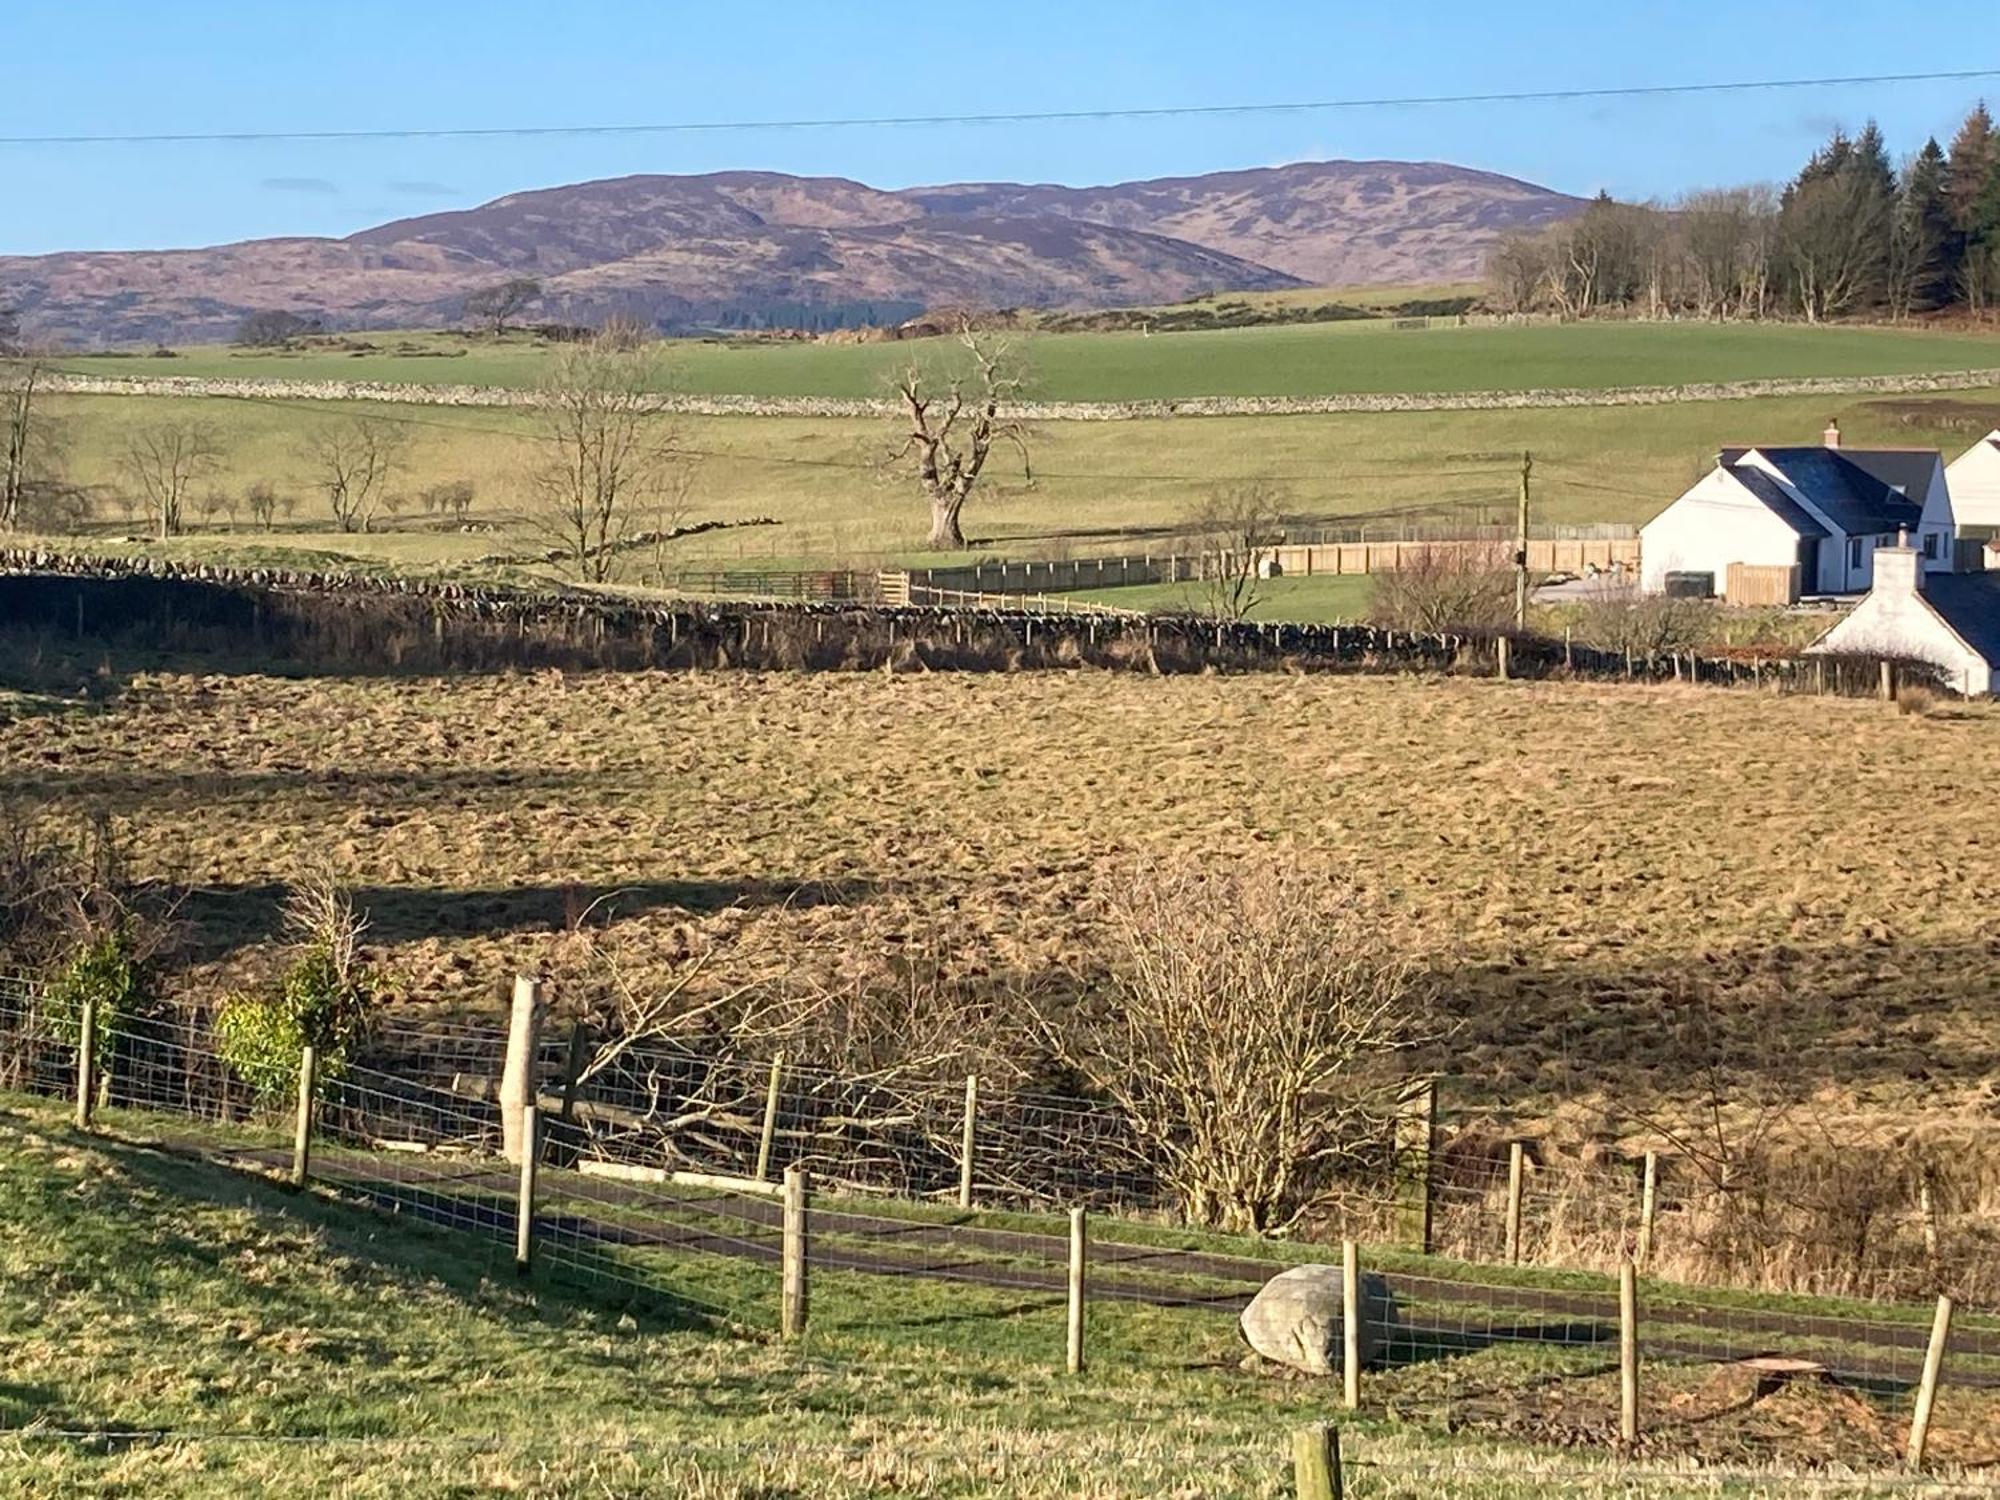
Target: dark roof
{"points": [[1910, 470], [1788, 510], [1970, 604], [1845, 492]]}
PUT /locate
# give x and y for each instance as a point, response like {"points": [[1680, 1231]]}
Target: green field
{"points": [[1294, 360], [1099, 487], [172, 1328]]}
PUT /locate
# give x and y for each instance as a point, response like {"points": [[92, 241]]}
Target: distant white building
{"points": [[1974, 479], [1827, 509], [1950, 619]]}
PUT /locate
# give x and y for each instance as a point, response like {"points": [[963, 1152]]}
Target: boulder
{"points": [[1295, 1319]]}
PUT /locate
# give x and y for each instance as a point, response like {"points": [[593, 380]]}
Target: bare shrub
{"points": [[1235, 529], [1448, 586], [1616, 617], [1251, 1033]]}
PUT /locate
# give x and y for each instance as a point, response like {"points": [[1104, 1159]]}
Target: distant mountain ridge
{"points": [[749, 249]]}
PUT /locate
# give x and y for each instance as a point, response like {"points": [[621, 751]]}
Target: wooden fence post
{"points": [[86, 1065], [966, 1140], [1316, 1462], [579, 1050], [1888, 682], [1500, 655], [769, 1131], [1516, 1166], [1079, 1253], [1920, 1423], [302, 1129], [1418, 1128], [1350, 1323], [1628, 1352], [1649, 1194], [524, 1198], [517, 1078], [793, 1297], [1927, 1210]]}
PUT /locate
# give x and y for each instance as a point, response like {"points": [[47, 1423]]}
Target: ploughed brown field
{"points": [[1623, 883]]}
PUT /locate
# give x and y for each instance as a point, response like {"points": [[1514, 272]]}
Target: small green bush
{"points": [[319, 1005], [103, 969]]}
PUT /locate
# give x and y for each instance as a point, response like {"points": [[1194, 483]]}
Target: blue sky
{"points": [[95, 67]]}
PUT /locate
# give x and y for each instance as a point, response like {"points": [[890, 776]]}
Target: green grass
{"points": [[1285, 360], [1099, 487], [293, 1343]]}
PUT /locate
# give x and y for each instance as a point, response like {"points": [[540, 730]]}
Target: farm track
{"points": [[1894, 1348], [395, 393]]}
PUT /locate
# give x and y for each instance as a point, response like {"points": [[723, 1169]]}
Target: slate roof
{"points": [[1857, 501], [1768, 490], [1970, 605]]}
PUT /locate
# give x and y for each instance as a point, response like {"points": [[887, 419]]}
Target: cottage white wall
{"points": [[1899, 623], [1974, 483], [1937, 523], [1716, 523]]}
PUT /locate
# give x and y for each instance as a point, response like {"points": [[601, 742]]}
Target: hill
{"points": [[759, 249]]}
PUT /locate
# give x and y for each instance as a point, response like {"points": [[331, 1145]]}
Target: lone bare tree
{"points": [[955, 416], [166, 460], [609, 459], [1448, 586], [1235, 528], [1250, 1034], [353, 462], [494, 305], [25, 438]]}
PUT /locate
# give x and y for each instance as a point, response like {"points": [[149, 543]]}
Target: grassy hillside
{"points": [[175, 1329], [1296, 360], [1098, 486]]}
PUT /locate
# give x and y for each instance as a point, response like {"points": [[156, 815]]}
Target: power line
{"points": [[1012, 117]]}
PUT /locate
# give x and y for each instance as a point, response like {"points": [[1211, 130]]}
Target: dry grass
{"points": [[1798, 890]]}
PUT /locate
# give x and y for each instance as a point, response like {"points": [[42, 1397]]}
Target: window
{"points": [[1931, 545], [1854, 552]]}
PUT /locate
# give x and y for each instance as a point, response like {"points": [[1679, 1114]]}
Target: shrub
{"points": [[105, 969]]}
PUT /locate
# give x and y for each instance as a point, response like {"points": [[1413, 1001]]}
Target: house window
{"points": [[1931, 545], [1854, 552]]}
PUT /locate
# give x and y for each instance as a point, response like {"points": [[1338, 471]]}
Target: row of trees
{"points": [[1850, 235]]}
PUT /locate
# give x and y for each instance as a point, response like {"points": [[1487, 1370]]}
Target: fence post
{"points": [[792, 1304], [579, 1048], [1350, 1324], [1927, 1210], [1079, 1252], [1649, 1194], [524, 1199], [769, 1131], [302, 1130], [1500, 654], [1888, 682], [1418, 1127], [1920, 1423], [1516, 1164], [965, 1143], [1316, 1462], [517, 1079], [86, 1065], [1628, 1352]]}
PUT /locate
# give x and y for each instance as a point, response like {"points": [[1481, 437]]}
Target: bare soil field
{"points": [[1634, 892]]}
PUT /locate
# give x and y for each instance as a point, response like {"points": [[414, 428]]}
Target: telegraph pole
{"points": [[1521, 547]]}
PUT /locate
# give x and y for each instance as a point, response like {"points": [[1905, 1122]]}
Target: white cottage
{"points": [[1827, 508], [1974, 481], [1952, 619]]}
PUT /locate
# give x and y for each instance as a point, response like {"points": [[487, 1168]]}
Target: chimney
{"points": [[1831, 437], [1899, 569]]}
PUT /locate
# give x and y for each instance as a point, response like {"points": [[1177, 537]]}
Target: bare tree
{"points": [[1235, 529], [1448, 586], [262, 499], [1250, 1034], [353, 462], [608, 457], [1614, 617], [494, 305], [30, 445], [955, 416], [166, 460]]}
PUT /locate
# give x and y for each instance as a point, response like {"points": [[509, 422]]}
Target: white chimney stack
{"points": [[1831, 436], [1899, 569]]}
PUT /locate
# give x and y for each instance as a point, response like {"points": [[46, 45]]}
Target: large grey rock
{"points": [[1295, 1320]]}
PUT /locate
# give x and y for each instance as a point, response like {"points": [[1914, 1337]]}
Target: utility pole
{"points": [[1521, 547]]}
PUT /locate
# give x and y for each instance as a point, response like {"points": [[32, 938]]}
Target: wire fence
{"points": [[697, 1232]]}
